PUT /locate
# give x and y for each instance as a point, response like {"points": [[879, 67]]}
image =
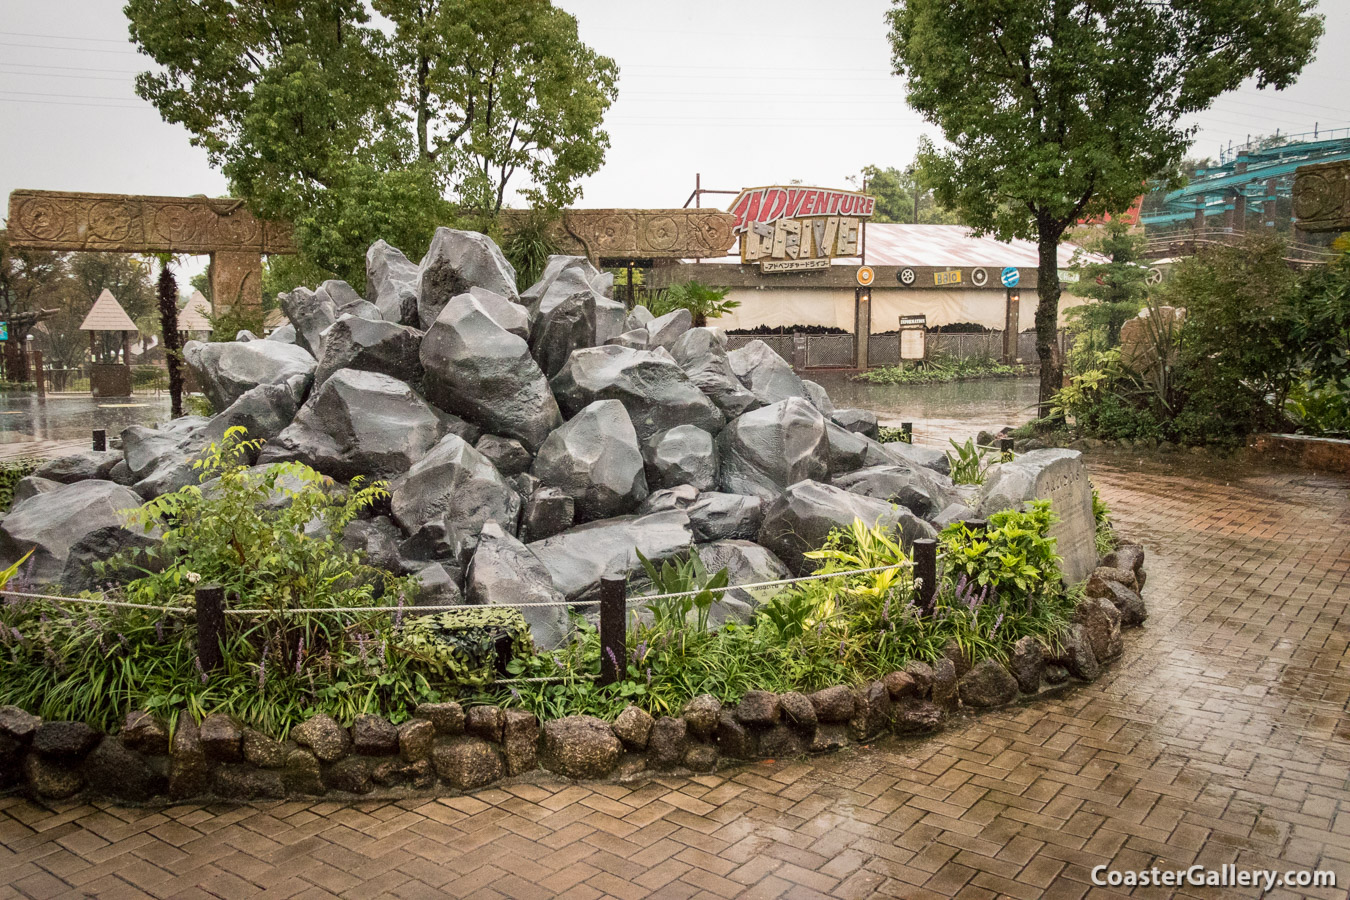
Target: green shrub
{"points": [[268, 538], [969, 463], [11, 472], [703, 302], [939, 371]]}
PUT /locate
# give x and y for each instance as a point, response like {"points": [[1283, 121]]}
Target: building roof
{"points": [[944, 245], [193, 317], [107, 315]]}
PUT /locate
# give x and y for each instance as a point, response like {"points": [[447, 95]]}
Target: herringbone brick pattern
{"points": [[1221, 737]]}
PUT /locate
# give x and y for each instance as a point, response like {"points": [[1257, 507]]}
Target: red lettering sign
{"points": [[767, 205]]}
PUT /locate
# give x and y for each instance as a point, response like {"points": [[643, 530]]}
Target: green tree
{"points": [[895, 190], [1117, 287], [1058, 110], [317, 116]]}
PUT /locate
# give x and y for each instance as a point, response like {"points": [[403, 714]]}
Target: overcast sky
{"points": [[745, 93]]}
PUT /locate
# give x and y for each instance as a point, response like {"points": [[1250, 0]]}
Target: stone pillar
{"points": [[236, 280]]}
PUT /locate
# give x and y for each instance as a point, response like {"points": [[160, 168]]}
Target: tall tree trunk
{"points": [[168, 328], [1047, 314]]}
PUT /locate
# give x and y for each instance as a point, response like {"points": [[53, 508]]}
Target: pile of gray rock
{"points": [[532, 442]]}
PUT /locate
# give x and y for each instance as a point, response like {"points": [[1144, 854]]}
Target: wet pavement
{"points": [[939, 412], [28, 419], [1221, 737]]}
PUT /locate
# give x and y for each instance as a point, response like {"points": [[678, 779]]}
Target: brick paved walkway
{"points": [[1220, 738]]}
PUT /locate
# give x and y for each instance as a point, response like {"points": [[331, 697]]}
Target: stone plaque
{"points": [[640, 233], [1060, 477], [1322, 197], [61, 220]]}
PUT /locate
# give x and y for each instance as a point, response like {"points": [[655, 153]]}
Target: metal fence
{"points": [[829, 351]]}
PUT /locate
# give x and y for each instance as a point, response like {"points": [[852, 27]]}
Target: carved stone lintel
{"points": [[643, 233], [61, 220], [1322, 197]]}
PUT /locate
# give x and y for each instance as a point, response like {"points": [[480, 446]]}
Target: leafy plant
{"points": [[888, 435], [11, 473], [1105, 535], [680, 576], [529, 246], [13, 568], [969, 463], [1013, 557], [939, 372], [703, 302]]}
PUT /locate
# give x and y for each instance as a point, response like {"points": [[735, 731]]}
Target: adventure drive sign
{"points": [[791, 229]]}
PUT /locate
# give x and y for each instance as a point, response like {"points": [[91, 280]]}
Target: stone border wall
{"points": [[446, 748]]}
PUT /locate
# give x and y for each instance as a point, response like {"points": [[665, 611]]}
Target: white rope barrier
{"points": [[98, 601], [447, 607], [780, 582]]}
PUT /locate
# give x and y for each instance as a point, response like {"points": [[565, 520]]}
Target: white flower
{"points": [[193, 577]]}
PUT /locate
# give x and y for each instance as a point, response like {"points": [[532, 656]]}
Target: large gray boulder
{"points": [[594, 458], [379, 346], [572, 314], [145, 448], [746, 563], [715, 516], [803, 517], [683, 455], [226, 370], [654, 390], [702, 354], [505, 572], [639, 317], [456, 486], [664, 331], [860, 421], [391, 283], [919, 455], [264, 411], [455, 262], [767, 449], [311, 314], [100, 546], [477, 369], [1058, 476], [358, 423], [913, 487], [579, 557], [506, 313], [819, 398], [51, 523], [766, 374], [159, 460], [560, 266], [79, 466], [850, 451]]}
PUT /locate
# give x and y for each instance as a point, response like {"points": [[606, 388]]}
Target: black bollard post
{"points": [[925, 572], [100, 439], [210, 626], [907, 432], [613, 628]]}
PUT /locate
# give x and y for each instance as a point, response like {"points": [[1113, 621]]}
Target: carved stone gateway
{"points": [[637, 233], [1322, 197], [224, 228]]}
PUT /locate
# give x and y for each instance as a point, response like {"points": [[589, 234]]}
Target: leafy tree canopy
{"points": [[1056, 110], [895, 189], [360, 121]]}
